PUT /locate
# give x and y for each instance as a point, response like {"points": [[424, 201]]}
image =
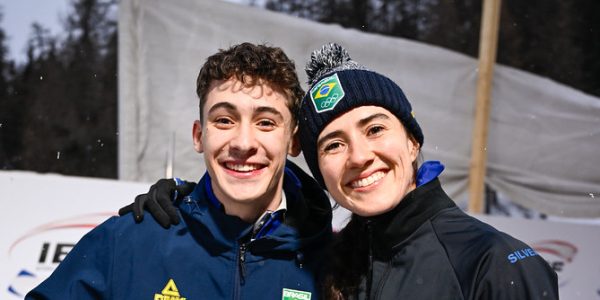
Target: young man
{"points": [[252, 228]]}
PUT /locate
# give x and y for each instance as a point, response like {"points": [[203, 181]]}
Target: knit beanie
{"points": [[337, 85]]}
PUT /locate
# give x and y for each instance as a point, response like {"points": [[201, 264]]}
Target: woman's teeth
{"points": [[368, 180]]}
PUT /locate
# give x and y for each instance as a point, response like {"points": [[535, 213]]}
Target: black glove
{"points": [[159, 202]]}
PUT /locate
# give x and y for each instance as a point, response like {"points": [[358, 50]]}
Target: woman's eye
{"points": [[373, 130], [333, 147]]}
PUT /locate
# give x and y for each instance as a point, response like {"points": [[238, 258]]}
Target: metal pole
{"points": [[488, 42], [170, 160]]}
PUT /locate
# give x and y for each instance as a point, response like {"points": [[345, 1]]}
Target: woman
{"points": [[406, 239]]}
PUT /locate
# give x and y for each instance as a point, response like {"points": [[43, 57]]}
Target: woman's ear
{"points": [[413, 148]]}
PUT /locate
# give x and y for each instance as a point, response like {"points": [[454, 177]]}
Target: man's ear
{"points": [[295, 149], [197, 136]]}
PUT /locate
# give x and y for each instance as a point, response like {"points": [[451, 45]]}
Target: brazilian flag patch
{"points": [[326, 94]]}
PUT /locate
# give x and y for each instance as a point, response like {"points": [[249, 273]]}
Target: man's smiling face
{"points": [[245, 134]]}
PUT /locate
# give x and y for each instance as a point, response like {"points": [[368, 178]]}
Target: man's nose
{"points": [[244, 141]]}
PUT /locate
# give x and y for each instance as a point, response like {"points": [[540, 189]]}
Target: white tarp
{"points": [[45, 215], [543, 137]]}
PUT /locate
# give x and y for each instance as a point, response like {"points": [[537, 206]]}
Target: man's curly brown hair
{"points": [[252, 64]]}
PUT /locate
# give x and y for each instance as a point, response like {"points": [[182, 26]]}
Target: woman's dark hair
{"points": [[349, 259]]}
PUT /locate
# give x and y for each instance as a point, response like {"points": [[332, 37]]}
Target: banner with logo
{"points": [[43, 216]]}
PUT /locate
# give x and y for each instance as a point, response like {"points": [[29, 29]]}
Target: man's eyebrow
{"points": [[367, 120], [224, 105], [268, 109]]}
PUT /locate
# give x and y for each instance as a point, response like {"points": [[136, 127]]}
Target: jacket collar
{"points": [[307, 219], [416, 208]]}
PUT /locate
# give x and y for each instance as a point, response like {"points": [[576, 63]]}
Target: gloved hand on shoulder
{"points": [[159, 202]]}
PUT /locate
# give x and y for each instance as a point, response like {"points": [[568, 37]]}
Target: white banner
{"points": [[543, 136], [43, 216]]}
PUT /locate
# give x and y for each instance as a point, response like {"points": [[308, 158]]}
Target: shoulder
{"points": [[308, 203], [116, 228], [461, 233], [125, 228], [492, 260], [307, 184], [456, 228]]}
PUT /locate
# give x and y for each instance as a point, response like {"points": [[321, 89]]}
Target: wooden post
{"points": [[170, 159], [488, 41]]}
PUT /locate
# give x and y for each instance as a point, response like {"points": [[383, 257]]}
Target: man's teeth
{"points": [[368, 180], [241, 167]]}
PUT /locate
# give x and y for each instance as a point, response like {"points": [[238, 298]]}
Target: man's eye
{"points": [[266, 123], [223, 121]]}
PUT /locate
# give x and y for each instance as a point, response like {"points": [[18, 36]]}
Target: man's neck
{"points": [[250, 213], [253, 209]]}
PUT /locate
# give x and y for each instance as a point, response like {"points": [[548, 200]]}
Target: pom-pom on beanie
{"points": [[339, 84]]}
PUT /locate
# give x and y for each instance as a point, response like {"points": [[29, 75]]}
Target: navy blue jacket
{"points": [[207, 256]]}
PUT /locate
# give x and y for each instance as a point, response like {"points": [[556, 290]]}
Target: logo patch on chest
{"points": [[289, 294], [170, 292]]}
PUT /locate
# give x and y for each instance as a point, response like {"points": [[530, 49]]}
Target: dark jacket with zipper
{"points": [[428, 248], [209, 255]]}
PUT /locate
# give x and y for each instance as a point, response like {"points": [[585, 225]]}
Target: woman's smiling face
{"points": [[366, 159]]}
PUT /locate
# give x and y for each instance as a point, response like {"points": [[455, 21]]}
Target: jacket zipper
{"points": [[240, 275], [370, 266], [381, 283], [386, 273], [242, 263]]}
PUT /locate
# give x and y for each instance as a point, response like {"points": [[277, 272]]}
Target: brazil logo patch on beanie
{"points": [[327, 93]]}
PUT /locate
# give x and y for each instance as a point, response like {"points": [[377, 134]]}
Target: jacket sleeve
{"points": [[85, 272], [515, 271]]}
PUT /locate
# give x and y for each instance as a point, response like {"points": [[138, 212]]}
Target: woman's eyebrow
{"points": [[328, 136], [365, 121], [362, 122]]}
